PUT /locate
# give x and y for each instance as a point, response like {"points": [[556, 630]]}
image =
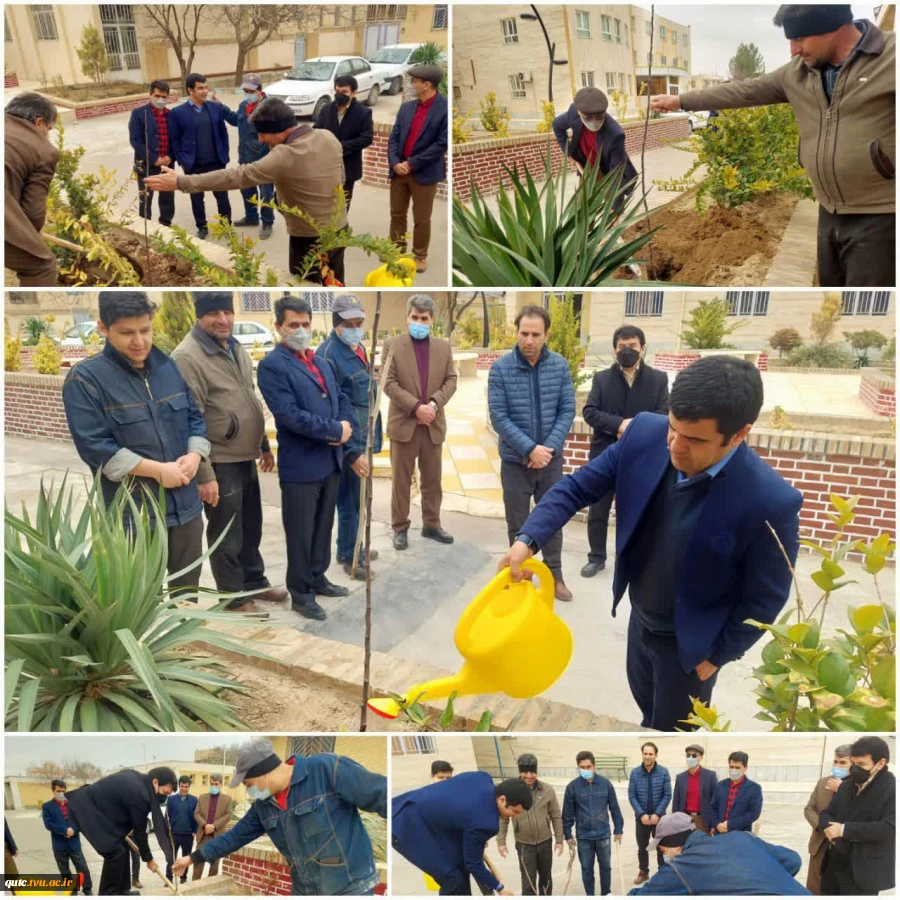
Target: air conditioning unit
{"points": [[527, 75]]}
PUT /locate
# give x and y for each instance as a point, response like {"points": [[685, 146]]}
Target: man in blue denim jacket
{"points": [[309, 809], [131, 413], [588, 803]]}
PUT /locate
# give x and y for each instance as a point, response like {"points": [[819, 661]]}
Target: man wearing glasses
{"points": [[695, 789]]}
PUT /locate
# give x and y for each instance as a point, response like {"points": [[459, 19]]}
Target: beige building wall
{"points": [[671, 53], [412, 756], [370, 752]]}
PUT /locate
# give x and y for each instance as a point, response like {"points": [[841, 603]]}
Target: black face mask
{"points": [[627, 357], [859, 775], [341, 99], [161, 799]]}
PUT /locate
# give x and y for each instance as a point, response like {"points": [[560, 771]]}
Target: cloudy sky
{"points": [[717, 30]]}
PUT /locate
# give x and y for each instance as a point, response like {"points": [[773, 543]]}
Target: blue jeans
{"points": [[347, 514], [587, 852], [265, 193]]}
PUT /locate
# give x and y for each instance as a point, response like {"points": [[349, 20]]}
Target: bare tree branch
{"points": [[179, 25]]}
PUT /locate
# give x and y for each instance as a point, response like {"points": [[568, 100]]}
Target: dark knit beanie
{"points": [[212, 301]]}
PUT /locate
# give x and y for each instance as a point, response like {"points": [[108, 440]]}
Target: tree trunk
{"points": [[239, 66], [487, 321]]}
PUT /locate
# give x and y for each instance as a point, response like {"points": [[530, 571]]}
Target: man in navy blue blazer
{"points": [[695, 512], [64, 836], [200, 144], [313, 420], [695, 789], [417, 148], [596, 137], [148, 133], [738, 801]]}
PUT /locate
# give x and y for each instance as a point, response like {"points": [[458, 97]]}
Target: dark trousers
{"points": [[115, 876], [198, 202], [348, 515], [520, 484], [461, 887], [237, 565], [837, 878], [31, 270], [185, 547], [145, 199], [307, 512], [598, 528], [252, 212], [135, 865], [300, 246], [588, 851], [184, 844], [658, 682], [63, 857], [643, 833], [348, 191], [536, 866], [856, 250]]}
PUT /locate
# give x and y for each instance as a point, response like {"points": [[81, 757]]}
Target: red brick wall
{"points": [[486, 358], [34, 408], [375, 161], [257, 876], [26, 354], [10, 80], [483, 160], [675, 362], [878, 392]]}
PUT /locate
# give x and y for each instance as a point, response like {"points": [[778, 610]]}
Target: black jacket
{"points": [[611, 400], [9, 840], [107, 810], [869, 830], [354, 133]]}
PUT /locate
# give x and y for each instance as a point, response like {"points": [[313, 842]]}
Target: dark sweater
{"points": [[206, 142], [658, 546], [181, 813]]}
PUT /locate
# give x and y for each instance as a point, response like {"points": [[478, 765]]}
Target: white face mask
{"points": [[159, 102], [298, 340], [593, 126], [692, 762], [735, 774]]}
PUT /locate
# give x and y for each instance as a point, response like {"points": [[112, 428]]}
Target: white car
{"points": [[698, 120], [79, 335], [249, 333], [309, 88], [393, 61]]}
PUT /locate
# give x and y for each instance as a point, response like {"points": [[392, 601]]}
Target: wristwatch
{"points": [[434, 406], [528, 540]]}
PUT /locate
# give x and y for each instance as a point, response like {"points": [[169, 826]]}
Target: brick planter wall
{"points": [[26, 354], [675, 362], [34, 407], [486, 357], [483, 160], [10, 80], [375, 160], [878, 391]]}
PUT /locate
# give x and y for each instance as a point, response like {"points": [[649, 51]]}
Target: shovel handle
{"points": [[53, 239], [168, 883]]}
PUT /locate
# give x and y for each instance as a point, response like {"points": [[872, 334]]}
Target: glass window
{"points": [[623, 83], [610, 81], [866, 303], [662, 32], [256, 301], [747, 303], [311, 745], [343, 68], [7, 35], [618, 30], [643, 303], [44, 22], [583, 23], [360, 66], [439, 19], [587, 79], [120, 37], [404, 745], [648, 27], [510, 31], [517, 87]]}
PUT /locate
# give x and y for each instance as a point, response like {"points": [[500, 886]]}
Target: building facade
{"points": [[671, 60]]}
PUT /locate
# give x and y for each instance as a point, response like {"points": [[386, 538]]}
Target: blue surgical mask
{"points": [[298, 341], [666, 859], [352, 337], [735, 774], [586, 774], [839, 772], [254, 793], [214, 791], [253, 98], [418, 331]]}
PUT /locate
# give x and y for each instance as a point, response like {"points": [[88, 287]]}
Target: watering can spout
{"points": [[460, 683]]}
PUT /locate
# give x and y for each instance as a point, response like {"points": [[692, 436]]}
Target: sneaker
{"points": [[421, 264], [265, 232], [203, 233], [245, 223]]}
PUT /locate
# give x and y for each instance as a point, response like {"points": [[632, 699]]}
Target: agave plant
{"points": [[540, 239], [93, 639]]}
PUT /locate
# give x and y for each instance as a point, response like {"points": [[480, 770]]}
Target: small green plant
{"points": [[257, 352], [620, 102], [461, 130], [862, 342], [92, 54], [471, 329], [824, 320], [12, 359], [47, 357], [94, 344], [412, 711], [564, 338], [548, 114], [819, 356], [503, 333], [35, 327], [704, 718], [173, 320], [708, 326], [890, 351], [785, 340], [493, 118], [675, 185], [779, 419], [431, 54]]}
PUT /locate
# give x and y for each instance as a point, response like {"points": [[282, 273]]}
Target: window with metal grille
{"points": [[865, 303], [617, 27], [747, 303], [404, 745], [256, 301], [517, 87], [587, 79], [439, 19], [21, 297], [510, 31], [380, 11], [44, 22], [610, 81], [643, 303], [120, 37], [457, 92], [583, 24], [310, 746], [664, 60], [320, 301]]}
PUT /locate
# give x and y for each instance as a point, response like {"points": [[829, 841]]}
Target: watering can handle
{"points": [[501, 580]]}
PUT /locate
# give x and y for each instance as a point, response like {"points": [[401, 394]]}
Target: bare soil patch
{"points": [[724, 247], [81, 93], [162, 270]]}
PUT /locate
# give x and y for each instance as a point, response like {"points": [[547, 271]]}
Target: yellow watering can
{"points": [[380, 277], [430, 883], [511, 640]]}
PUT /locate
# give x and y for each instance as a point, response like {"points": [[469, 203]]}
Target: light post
{"points": [[535, 16]]}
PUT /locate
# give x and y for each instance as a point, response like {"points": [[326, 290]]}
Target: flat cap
{"points": [[591, 101], [696, 748], [427, 72]]}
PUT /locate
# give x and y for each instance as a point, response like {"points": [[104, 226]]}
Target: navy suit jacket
{"points": [[429, 165], [747, 807], [56, 824], [143, 135], [355, 134], [307, 419], [707, 793], [733, 568], [183, 133], [442, 828]]}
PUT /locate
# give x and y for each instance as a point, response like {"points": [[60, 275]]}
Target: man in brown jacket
{"points": [[213, 817], [420, 382], [841, 85], [305, 164], [535, 832], [219, 373], [822, 795], [30, 164]]}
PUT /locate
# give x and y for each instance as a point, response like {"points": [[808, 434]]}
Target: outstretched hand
{"points": [[167, 181]]}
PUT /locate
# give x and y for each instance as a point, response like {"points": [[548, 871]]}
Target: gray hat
{"points": [[255, 758], [348, 306], [696, 748], [427, 72], [252, 83], [591, 101], [670, 825]]}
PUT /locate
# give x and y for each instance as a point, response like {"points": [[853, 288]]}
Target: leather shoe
{"points": [[562, 592], [310, 610], [437, 534], [135, 883], [265, 232], [591, 569], [373, 555], [203, 233], [401, 540], [360, 574], [642, 877], [273, 595], [244, 222], [246, 607], [331, 590], [421, 264]]}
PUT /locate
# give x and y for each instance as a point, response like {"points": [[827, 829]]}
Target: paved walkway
{"points": [[794, 264]]}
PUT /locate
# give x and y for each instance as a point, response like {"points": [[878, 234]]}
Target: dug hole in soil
{"points": [[163, 270], [722, 248]]}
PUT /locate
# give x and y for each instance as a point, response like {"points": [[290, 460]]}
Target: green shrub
{"points": [[493, 118], [708, 326], [47, 358], [564, 338], [785, 340], [862, 342], [820, 356]]}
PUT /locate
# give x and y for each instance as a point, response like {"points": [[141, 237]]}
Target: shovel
{"points": [[168, 883], [94, 270], [619, 863]]}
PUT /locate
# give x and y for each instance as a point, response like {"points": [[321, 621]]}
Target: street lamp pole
{"points": [[535, 16]]}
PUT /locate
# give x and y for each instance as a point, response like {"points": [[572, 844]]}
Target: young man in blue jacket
{"points": [[314, 422], [64, 838], [695, 512], [531, 402], [695, 789], [649, 793], [148, 133], [309, 809], [133, 419], [588, 803], [180, 809], [442, 829], [738, 802]]}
